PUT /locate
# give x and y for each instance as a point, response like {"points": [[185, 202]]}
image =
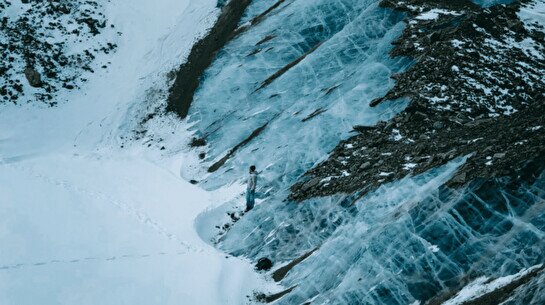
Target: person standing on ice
{"points": [[250, 189]]}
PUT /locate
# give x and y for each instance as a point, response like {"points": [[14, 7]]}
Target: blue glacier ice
{"points": [[350, 68], [408, 241], [489, 3]]}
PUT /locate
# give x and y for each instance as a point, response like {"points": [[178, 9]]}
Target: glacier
{"points": [[408, 241], [99, 217], [302, 114], [489, 3], [279, 98]]}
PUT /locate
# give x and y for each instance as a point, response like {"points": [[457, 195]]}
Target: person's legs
{"points": [[250, 200]]}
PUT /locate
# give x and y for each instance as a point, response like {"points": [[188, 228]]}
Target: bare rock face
{"points": [[264, 264], [34, 78]]}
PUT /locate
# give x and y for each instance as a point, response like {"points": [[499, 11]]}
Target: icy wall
{"points": [[419, 248], [489, 3], [281, 95], [301, 115], [411, 240]]}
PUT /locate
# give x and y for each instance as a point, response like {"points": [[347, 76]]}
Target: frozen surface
{"points": [[310, 107], [405, 243], [489, 3], [334, 224], [95, 219], [108, 229], [87, 218]]}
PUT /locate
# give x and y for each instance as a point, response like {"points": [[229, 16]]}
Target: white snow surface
{"points": [[434, 14], [533, 13], [84, 221], [484, 285]]}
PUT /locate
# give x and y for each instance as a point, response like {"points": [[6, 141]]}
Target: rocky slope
{"points": [[477, 88], [49, 46]]}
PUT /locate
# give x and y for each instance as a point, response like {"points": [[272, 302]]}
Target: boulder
{"points": [[365, 165], [197, 142], [34, 78], [438, 125], [264, 264]]}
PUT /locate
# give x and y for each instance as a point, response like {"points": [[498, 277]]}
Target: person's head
{"points": [[252, 168]]}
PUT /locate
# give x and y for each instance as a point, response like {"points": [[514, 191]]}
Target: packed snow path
{"points": [[87, 219]]}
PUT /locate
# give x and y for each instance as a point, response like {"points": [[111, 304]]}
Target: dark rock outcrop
{"points": [[472, 92], [201, 56], [264, 264], [33, 77], [273, 297], [281, 272]]}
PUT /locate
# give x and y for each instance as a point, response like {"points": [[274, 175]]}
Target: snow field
{"points": [[89, 220]]}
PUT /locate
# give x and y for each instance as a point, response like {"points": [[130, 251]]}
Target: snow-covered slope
{"points": [[98, 210], [87, 219]]}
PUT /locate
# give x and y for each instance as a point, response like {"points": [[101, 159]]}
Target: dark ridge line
{"points": [[273, 297], [331, 89], [362, 128], [256, 20], [254, 52], [281, 272], [376, 102], [212, 125], [501, 294], [284, 69], [261, 16], [202, 54], [265, 39], [214, 167], [315, 113]]}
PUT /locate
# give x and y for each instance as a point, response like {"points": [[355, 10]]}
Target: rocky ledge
{"points": [[476, 89]]}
